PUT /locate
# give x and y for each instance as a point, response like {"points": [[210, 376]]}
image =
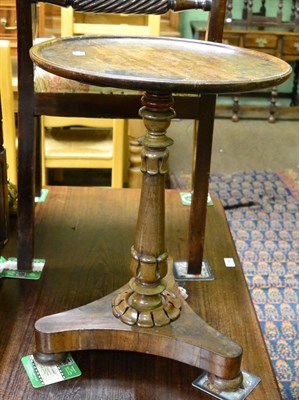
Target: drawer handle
{"points": [[296, 45], [261, 42], [3, 22]]}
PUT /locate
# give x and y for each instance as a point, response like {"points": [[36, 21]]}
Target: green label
{"points": [[2, 265], [9, 269], [186, 198], [35, 275], [42, 197], [42, 375]]}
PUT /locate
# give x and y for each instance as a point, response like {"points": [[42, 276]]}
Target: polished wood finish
{"points": [[158, 314], [149, 303], [27, 144], [203, 139], [73, 227], [183, 66]]}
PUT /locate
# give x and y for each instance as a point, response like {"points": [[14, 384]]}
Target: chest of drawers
{"points": [[278, 41], [8, 25]]}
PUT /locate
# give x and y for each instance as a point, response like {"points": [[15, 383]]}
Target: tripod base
{"points": [[188, 339]]}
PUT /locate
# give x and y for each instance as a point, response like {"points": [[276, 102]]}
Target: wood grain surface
{"points": [[85, 235], [160, 64]]}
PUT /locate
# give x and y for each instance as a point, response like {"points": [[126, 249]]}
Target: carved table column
{"points": [[148, 303]]}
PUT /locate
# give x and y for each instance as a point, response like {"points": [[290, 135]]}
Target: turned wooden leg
{"points": [[228, 385], [50, 358], [236, 109], [147, 303], [272, 109], [294, 96]]}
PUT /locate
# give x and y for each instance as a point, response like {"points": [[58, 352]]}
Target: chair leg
{"points": [[201, 170], [38, 160], [26, 189], [26, 143], [44, 171]]}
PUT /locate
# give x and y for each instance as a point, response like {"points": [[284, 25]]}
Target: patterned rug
{"points": [[262, 211]]}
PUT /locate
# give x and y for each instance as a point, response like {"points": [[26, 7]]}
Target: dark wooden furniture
{"points": [[255, 29], [255, 13], [278, 41], [148, 314], [76, 231]]}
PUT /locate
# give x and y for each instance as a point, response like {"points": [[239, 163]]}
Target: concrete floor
{"points": [[240, 146]]}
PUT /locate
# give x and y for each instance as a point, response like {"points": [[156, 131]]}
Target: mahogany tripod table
{"points": [[148, 314]]}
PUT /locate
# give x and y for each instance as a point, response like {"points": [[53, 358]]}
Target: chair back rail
{"points": [[156, 7]]}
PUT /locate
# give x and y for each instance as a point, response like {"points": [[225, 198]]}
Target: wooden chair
{"points": [[8, 110], [89, 105], [103, 141]]}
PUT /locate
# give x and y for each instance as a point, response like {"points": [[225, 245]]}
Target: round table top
{"points": [[160, 64]]}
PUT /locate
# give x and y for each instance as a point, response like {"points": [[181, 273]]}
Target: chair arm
{"points": [[155, 7]]}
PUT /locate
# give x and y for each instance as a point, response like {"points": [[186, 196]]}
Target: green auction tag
{"points": [[2, 265], [9, 269], [42, 375], [186, 199], [42, 197]]}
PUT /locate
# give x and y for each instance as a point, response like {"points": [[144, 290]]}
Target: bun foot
{"points": [[227, 385], [51, 358]]}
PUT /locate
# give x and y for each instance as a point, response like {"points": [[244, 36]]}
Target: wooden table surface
{"points": [[85, 235], [182, 66]]}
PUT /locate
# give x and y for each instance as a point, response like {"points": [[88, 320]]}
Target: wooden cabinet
{"points": [[279, 42], [267, 43], [8, 24], [290, 47]]}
